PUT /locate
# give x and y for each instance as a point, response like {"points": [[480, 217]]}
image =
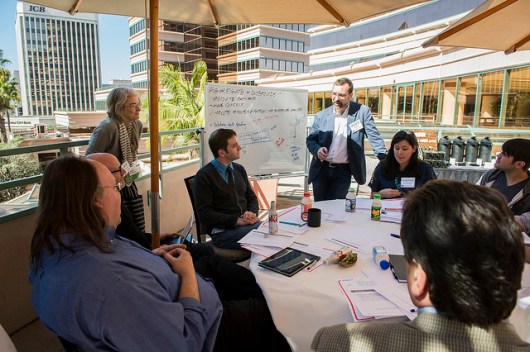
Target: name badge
{"points": [[408, 182], [356, 126]]}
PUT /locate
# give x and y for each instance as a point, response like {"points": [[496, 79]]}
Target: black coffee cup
{"points": [[312, 216]]}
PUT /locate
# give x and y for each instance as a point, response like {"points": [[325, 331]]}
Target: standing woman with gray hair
{"points": [[119, 134]]}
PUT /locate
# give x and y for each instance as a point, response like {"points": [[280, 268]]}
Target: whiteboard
{"points": [[271, 125]]}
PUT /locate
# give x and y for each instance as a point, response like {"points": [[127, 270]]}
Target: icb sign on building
{"points": [[36, 8]]}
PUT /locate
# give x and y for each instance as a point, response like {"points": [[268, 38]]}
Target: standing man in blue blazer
{"points": [[336, 141]]}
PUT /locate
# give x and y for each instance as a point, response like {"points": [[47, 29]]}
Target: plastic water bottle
{"points": [[350, 203], [273, 219], [375, 214], [381, 258], [306, 203]]}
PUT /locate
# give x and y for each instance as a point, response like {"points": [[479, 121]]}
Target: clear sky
{"points": [[113, 38]]}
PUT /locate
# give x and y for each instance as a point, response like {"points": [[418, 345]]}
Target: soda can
{"points": [[350, 205]]}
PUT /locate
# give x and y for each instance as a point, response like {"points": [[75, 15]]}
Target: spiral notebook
{"points": [[288, 261]]}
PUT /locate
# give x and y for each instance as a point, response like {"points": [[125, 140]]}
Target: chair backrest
{"points": [[234, 255], [198, 226], [266, 191]]}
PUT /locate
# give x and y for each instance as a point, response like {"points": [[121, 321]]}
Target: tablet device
{"points": [[288, 261], [398, 267]]}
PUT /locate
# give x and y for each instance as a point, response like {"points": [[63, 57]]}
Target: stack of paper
{"points": [[263, 243], [371, 297], [391, 216]]}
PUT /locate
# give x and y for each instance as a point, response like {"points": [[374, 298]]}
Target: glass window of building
{"points": [[466, 100], [319, 102], [386, 103], [449, 102], [416, 102], [373, 101], [327, 99], [404, 102], [491, 98], [360, 96], [429, 106], [518, 102], [310, 102]]}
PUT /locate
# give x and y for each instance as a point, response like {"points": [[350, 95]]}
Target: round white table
{"points": [[300, 305]]}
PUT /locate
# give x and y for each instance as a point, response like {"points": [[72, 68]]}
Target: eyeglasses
{"points": [[118, 186], [340, 95], [117, 170], [134, 106]]}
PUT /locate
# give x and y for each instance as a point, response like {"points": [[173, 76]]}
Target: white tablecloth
{"points": [[302, 304]]}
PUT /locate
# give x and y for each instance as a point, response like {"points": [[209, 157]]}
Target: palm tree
{"points": [[8, 94], [181, 108]]}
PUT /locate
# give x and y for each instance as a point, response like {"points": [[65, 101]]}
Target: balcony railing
{"points": [[9, 211]]}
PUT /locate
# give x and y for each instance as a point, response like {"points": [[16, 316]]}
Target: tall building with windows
{"points": [[248, 53], [180, 44], [58, 59]]}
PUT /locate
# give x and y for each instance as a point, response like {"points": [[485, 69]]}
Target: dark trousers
{"points": [[228, 238], [246, 323], [332, 182]]}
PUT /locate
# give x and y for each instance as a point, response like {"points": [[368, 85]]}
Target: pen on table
{"points": [[274, 234], [345, 243], [291, 223], [395, 235], [393, 209]]}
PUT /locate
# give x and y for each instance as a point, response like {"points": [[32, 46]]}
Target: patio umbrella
{"points": [[496, 24], [218, 12]]}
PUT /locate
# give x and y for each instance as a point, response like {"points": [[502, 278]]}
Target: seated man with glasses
{"points": [[127, 227], [101, 292]]}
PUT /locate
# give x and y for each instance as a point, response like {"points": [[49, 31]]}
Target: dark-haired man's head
{"points": [[224, 145], [464, 250], [515, 154]]}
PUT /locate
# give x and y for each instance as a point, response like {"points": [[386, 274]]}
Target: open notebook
{"points": [[288, 261]]}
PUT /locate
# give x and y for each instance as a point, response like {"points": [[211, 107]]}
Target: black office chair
{"points": [[234, 255]]}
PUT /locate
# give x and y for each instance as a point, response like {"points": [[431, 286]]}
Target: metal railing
{"points": [[65, 148]]}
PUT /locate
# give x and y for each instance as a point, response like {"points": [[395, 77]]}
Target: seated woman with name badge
{"points": [[401, 171]]}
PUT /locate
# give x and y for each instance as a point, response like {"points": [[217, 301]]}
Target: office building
{"points": [[58, 56], [180, 44], [249, 53]]}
